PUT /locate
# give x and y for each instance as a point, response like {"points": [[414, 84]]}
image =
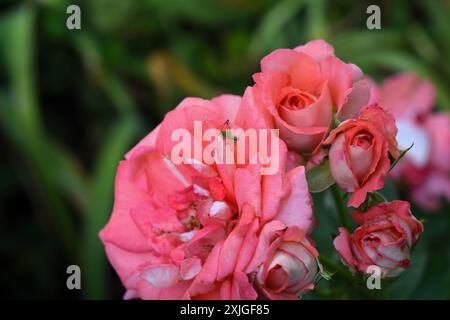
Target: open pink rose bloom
{"points": [[197, 231], [188, 225]]}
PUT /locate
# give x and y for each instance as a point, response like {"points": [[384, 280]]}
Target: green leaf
{"points": [[316, 21], [377, 197], [402, 154], [319, 177], [323, 273], [110, 83], [21, 121], [270, 32], [100, 206], [372, 199]]}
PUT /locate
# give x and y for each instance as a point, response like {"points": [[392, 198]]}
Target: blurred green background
{"points": [[73, 102]]}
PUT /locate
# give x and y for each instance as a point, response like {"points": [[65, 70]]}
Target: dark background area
{"points": [[72, 102]]}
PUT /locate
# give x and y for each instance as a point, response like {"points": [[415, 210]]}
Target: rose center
{"points": [[276, 278], [294, 99], [200, 203], [362, 140]]}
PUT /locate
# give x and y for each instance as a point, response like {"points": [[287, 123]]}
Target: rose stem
{"points": [[340, 206], [330, 264]]}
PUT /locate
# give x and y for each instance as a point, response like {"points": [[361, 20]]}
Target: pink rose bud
{"points": [[384, 238], [359, 153], [285, 262]]}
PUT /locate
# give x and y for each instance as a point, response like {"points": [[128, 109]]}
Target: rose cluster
{"points": [[225, 230]]}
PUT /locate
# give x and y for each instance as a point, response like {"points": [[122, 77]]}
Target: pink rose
{"points": [[426, 166], [384, 238], [190, 230], [359, 153], [285, 261], [438, 128], [297, 91], [406, 96], [429, 182], [409, 99]]}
